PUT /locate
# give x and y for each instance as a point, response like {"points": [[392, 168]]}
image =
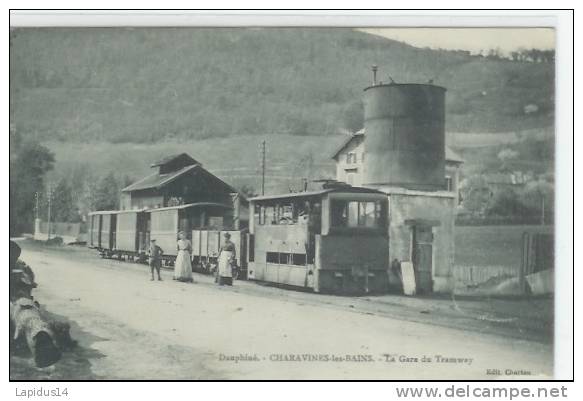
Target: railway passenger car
{"points": [[167, 222], [102, 231], [205, 249], [132, 236], [331, 240], [94, 228]]}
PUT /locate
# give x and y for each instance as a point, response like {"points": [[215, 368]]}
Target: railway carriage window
{"points": [[353, 214], [270, 215], [298, 259], [357, 214], [285, 258], [215, 222], [286, 215], [366, 214], [257, 213], [338, 211], [272, 257]]}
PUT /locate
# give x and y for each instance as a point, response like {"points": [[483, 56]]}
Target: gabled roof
{"points": [[450, 155], [172, 158], [159, 180], [190, 205], [345, 143]]}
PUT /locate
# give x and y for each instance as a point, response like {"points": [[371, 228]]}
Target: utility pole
{"points": [[50, 195], [263, 167], [542, 217], [36, 207]]}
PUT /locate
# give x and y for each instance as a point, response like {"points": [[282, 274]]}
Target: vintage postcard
{"points": [[300, 203]]}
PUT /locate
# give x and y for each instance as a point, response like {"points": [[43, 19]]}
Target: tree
{"points": [[107, 194], [475, 194], [506, 156], [29, 163], [538, 196], [64, 207], [248, 191], [506, 203]]}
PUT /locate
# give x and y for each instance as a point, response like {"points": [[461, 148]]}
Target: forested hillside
{"points": [[147, 85], [104, 103]]}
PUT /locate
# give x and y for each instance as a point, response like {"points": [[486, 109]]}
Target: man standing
{"points": [[155, 253]]}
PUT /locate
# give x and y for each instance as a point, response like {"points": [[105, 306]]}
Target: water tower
{"points": [[405, 135]]}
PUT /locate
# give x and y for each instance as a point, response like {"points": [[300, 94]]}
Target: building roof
{"points": [[172, 158], [189, 205], [450, 155], [157, 180], [345, 143]]}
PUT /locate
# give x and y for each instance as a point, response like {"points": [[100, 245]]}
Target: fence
{"points": [[532, 274], [538, 263], [473, 276], [69, 232]]}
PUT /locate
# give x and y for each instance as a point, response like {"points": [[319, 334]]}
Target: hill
{"points": [[117, 85]]}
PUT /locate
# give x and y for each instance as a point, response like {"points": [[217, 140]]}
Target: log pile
{"points": [[30, 327]]}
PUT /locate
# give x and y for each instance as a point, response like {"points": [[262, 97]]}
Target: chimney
{"points": [[374, 74]]}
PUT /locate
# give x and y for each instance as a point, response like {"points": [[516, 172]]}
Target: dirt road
{"points": [[129, 327]]}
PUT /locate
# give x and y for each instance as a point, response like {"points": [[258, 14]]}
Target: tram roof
{"points": [[103, 212], [344, 189]]}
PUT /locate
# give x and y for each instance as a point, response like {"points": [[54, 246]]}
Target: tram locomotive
{"points": [[331, 240]]}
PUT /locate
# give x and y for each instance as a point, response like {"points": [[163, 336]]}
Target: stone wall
{"points": [[436, 209]]}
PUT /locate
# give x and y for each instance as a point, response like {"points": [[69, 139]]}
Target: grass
{"points": [[490, 245]]}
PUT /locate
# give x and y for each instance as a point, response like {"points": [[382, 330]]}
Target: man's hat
{"points": [[152, 240], [227, 235]]}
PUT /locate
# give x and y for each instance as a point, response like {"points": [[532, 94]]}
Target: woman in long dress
{"points": [[183, 266], [226, 259]]}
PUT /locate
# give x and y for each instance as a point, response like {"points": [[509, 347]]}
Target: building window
{"points": [[362, 157], [251, 248], [351, 158], [448, 183]]}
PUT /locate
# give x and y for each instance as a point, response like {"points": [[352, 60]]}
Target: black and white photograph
{"points": [[264, 202]]}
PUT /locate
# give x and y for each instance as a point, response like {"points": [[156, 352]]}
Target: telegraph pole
{"points": [[36, 207], [542, 217], [50, 195], [263, 167]]}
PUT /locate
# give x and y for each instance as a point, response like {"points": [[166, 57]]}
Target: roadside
{"points": [[528, 318], [131, 328]]}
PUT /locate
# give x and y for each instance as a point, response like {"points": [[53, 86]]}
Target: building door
{"points": [[423, 257]]}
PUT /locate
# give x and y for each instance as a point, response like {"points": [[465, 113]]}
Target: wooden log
{"points": [[30, 326]]}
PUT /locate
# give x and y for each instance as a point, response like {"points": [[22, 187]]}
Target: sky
{"points": [[472, 39]]}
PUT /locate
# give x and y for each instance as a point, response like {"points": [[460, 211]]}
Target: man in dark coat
{"points": [[155, 253]]}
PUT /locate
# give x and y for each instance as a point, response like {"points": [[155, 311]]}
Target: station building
{"points": [[181, 180]]}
